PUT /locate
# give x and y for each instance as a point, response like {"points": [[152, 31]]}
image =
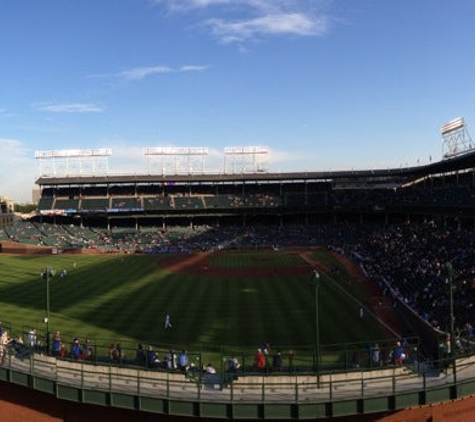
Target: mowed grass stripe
{"points": [[126, 297], [143, 314], [256, 311], [257, 259], [279, 325], [293, 317], [339, 317], [181, 296], [137, 276], [231, 311], [211, 314]]}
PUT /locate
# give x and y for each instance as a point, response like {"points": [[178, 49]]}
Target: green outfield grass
{"points": [[253, 259], [125, 297]]}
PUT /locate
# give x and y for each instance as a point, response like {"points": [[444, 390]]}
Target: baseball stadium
{"points": [[246, 294]]}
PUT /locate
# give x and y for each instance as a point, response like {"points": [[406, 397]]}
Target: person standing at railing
{"points": [[260, 360], [112, 352], [32, 339], [291, 360], [120, 354], [4, 341], [399, 355], [183, 361], [76, 349], [17, 343], [376, 355], [233, 365], [277, 361], [140, 357], [171, 360], [152, 359], [57, 344], [87, 350]]}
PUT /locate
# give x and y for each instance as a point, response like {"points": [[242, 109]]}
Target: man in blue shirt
{"points": [[183, 361]]}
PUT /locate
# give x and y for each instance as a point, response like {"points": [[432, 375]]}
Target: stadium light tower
{"points": [[316, 285], [455, 138], [70, 162], [184, 160], [49, 273], [245, 159], [450, 277]]}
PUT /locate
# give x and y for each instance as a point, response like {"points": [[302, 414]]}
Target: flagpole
{"points": [[452, 342], [47, 308], [316, 285]]}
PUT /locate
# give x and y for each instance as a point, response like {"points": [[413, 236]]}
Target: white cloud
{"points": [[11, 147], [186, 5], [126, 158], [290, 24], [143, 72], [192, 68], [17, 170], [279, 158], [239, 21], [68, 108], [5, 113]]}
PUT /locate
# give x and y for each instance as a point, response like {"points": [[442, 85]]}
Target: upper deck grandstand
{"points": [[253, 198]]}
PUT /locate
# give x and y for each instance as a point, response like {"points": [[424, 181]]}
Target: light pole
{"points": [[316, 285], [49, 272], [452, 343]]}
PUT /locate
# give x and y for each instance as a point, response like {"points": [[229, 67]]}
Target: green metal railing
{"points": [[348, 383]]}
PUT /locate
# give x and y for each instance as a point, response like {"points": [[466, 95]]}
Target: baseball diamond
{"points": [[242, 283]]}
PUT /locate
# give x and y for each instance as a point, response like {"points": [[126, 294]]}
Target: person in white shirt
{"points": [[32, 341], [168, 323], [210, 369]]}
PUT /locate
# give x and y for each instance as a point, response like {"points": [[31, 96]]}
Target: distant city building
{"points": [[7, 215], [35, 194]]}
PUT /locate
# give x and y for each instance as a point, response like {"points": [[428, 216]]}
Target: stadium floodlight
{"points": [[455, 138], [103, 152], [452, 125], [245, 159], [246, 150], [72, 161], [176, 151], [181, 160]]}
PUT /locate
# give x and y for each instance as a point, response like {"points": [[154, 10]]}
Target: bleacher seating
{"points": [[95, 204], [65, 204], [45, 203], [188, 202], [24, 232], [151, 203], [54, 235], [256, 201], [126, 203], [217, 201]]}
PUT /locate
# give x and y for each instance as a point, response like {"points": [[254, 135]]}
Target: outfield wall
{"points": [[17, 248], [23, 249], [283, 397]]}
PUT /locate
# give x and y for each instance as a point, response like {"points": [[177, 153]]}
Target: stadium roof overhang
{"points": [[403, 174]]}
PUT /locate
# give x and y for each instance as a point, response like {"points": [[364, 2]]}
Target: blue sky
{"points": [[323, 84]]}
